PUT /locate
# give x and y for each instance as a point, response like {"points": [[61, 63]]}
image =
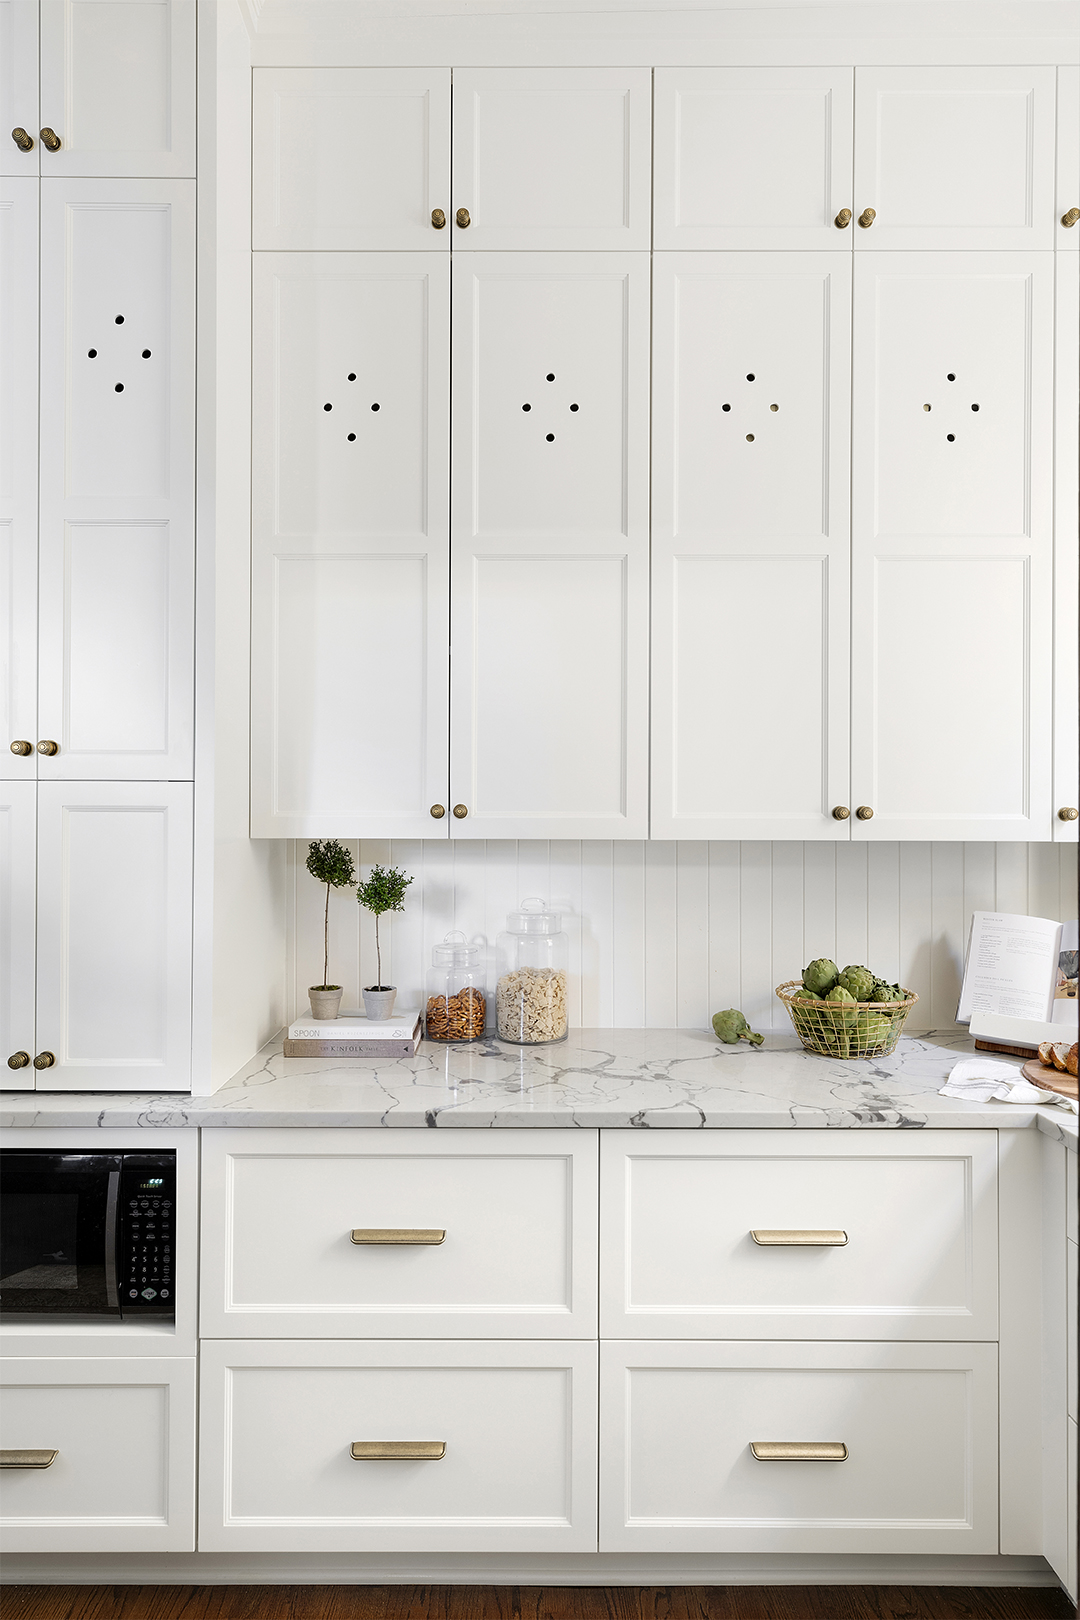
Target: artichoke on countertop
{"points": [[731, 1027], [820, 975]]}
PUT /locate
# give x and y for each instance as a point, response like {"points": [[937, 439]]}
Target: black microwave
{"points": [[87, 1235]]}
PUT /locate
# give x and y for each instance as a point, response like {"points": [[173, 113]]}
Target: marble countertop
{"points": [[656, 1079]]}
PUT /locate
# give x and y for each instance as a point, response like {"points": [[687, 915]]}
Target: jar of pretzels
{"points": [[455, 1009]]}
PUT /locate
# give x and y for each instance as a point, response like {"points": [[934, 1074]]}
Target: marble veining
{"points": [[646, 1079]]}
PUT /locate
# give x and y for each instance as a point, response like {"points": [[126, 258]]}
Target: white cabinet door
{"points": [[349, 546], [18, 841], [954, 157], [18, 476], [351, 158], [549, 719], [516, 1423], [114, 935], [919, 1423], [751, 357], [753, 157], [1066, 560], [952, 610], [550, 158], [117, 479], [123, 1478], [1067, 206], [118, 87], [18, 84]]}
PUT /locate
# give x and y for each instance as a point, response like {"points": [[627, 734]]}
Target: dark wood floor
{"points": [[533, 1603]]}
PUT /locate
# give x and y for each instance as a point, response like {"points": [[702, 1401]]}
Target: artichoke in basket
{"points": [[859, 981], [842, 1016], [886, 992], [872, 1029], [820, 975], [731, 1027]]}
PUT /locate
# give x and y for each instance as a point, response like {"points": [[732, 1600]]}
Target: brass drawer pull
{"points": [[408, 1235], [397, 1450], [28, 1459], [799, 1450], [780, 1237]]}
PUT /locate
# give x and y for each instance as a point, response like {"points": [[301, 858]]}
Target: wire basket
{"points": [[865, 1029]]}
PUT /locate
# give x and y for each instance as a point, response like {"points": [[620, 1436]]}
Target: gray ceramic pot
{"points": [[325, 1003], [379, 1004]]}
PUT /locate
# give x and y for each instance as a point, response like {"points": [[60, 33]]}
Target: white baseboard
{"points": [[508, 1569]]}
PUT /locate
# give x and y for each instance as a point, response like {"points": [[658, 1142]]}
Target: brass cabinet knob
{"points": [[438, 811], [44, 1060], [843, 219], [461, 811], [47, 746], [50, 140], [22, 747], [1068, 220], [23, 139], [18, 1060], [867, 218], [462, 218], [438, 218], [864, 812], [840, 812], [1067, 813]]}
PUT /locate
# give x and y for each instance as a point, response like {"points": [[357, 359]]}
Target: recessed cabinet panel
{"points": [[1066, 558], [351, 158], [753, 157], [550, 158], [750, 543], [1066, 225], [18, 471], [118, 86], [548, 717], [349, 579], [914, 1428], [114, 935], [955, 157], [18, 84], [952, 546], [18, 840]]}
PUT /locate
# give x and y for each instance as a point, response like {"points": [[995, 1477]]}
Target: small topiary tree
{"points": [[329, 863], [383, 891]]}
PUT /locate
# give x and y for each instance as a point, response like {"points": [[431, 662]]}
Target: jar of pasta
{"points": [[455, 1008], [530, 996]]}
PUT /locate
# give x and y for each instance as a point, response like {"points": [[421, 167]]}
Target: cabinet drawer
{"points": [[123, 1477], [280, 1420], [918, 1422], [919, 1217], [518, 1259]]}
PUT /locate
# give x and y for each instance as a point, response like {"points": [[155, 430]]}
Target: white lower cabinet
{"points": [[123, 1475], [516, 1424], [917, 1425]]}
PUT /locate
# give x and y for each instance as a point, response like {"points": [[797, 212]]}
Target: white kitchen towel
{"points": [[988, 1080]]}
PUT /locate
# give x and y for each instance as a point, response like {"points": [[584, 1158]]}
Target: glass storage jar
{"points": [[530, 996], [455, 1007]]}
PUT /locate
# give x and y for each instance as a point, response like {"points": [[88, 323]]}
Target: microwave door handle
{"points": [[112, 1293]]}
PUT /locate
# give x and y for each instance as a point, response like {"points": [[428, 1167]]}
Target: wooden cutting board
{"points": [[1050, 1079]]}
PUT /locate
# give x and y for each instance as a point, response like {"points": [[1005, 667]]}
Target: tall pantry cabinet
{"points": [[97, 472]]}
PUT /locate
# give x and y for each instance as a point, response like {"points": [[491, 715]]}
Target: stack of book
{"points": [[353, 1035]]}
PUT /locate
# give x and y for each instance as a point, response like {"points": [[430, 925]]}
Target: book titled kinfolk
{"points": [[353, 1035]]}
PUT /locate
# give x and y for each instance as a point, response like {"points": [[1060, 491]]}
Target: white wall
{"points": [[665, 934]]}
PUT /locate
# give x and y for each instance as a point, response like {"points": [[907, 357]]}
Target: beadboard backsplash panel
{"points": [[662, 935]]}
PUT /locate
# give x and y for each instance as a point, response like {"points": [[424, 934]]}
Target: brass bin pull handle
{"points": [[780, 1237], [397, 1450], [799, 1450], [28, 1459], [415, 1236]]}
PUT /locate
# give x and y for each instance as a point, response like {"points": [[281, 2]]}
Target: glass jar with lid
{"points": [[530, 996], [455, 1008]]}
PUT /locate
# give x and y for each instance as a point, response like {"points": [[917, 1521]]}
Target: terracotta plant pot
{"points": [[325, 1003], [379, 1001]]}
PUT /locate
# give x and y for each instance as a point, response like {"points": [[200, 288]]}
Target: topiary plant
{"points": [[384, 891], [332, 864]]}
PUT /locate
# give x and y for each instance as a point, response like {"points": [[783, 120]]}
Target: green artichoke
{"points": [[731, 1026], [843, 1018], [820, 976], [859, 980], [885, 992]]}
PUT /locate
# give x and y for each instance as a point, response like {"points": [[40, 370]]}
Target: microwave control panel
{"points": [[145, 1270]]}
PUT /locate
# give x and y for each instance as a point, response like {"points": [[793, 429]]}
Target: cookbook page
{"points": [[1011, 966]]}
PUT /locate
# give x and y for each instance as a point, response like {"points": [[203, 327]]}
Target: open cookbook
{"points": [[1019, 983]]}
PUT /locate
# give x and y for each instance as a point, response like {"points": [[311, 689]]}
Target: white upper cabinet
{"points": [[952, 617], [351, 158], [18, 833], [753, 157], [117, 479], [751, 356], [1067, 207], [114, 935], [349, 545], [549, 719], [551, 158], [19, 87], [18, 476], [955, 157], [1066, 559]]}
